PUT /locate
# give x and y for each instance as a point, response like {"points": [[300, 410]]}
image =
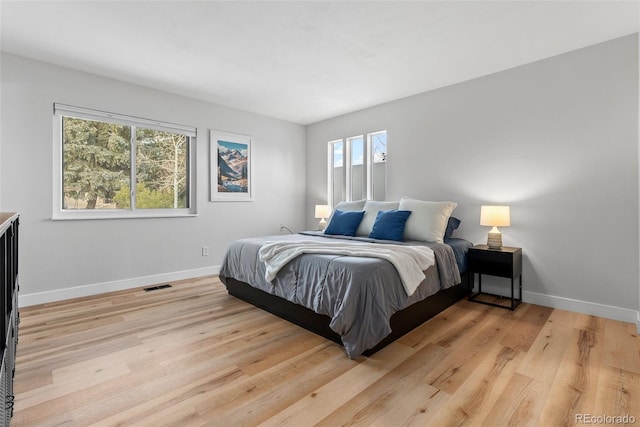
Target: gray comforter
{"points": [[359, 294]]}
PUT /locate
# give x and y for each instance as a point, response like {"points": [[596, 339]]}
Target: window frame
{"points": [[350, 161], [330, 170], [347, 166], [59, 213], [371, 162]]}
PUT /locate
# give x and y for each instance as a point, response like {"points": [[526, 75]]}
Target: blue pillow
{"points": [[451, 226], [344, 223], [389, 225]]}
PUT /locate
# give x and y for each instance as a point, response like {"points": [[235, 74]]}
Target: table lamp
{"points": [[495, 216], [323, 212]]}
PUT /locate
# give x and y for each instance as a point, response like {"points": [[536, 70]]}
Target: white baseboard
{"points": [[601, 310], [25, 300]]}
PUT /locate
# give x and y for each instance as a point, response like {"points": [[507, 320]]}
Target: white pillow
{"points": [[371, 208], [428, 220], [356, 205]]}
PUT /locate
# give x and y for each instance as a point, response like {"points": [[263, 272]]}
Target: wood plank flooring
{"points": [[192, 355]]}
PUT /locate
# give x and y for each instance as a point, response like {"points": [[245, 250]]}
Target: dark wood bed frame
{"points": [[401, 322]]}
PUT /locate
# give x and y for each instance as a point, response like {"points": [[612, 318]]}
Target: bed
{"points": [[331, 285]]}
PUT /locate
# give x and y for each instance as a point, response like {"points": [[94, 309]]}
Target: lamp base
{"points": [[322, 224], [494, 240]]}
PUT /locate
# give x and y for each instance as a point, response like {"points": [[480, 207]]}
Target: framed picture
{"points": [[230, 167]]}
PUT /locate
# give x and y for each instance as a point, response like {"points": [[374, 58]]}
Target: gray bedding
{"points": [[359, 294]]}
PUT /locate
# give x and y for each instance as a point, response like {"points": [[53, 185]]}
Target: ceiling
{"points": [[304, 61]]}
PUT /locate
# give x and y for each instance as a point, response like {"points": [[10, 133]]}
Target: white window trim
{"points": [[346, 164], [370, 161], [330, 157], [59, 213], [349, 170]]}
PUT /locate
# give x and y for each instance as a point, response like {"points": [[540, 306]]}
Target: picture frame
{"points": [[230, 167]]}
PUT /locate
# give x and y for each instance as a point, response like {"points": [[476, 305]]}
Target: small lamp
{"points": [[495, 216], [323, 212]]}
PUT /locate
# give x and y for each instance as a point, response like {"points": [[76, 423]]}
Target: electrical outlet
{"points": [[205, 251]]}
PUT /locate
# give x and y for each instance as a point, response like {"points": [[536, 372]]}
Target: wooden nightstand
{"points": [[505, 262]]}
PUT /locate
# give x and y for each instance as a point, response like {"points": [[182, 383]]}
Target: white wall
{"points": [[556, 139], [96, 255]]}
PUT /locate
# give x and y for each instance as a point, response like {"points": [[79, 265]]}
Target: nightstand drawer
{"points": [[506, 262]]}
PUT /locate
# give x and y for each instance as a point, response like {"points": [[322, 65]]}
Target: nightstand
{"points": [[504, 262]]}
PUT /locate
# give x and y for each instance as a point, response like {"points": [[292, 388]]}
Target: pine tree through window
{"points": [[101, 159]]}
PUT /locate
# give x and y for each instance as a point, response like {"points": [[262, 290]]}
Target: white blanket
{"points": [[410, 261]]}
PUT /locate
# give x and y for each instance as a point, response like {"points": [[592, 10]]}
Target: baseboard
{"points": [[25, 300], [601, 310]]}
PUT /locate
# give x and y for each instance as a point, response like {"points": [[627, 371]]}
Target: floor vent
{"points": [[155, 288]]}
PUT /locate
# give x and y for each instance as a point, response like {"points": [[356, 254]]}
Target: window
{"points": [[358, 175], [378, 164], [336, 172], [110, 165], [357, 168]]}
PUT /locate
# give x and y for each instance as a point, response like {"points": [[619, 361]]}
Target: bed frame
{"points": [[401, 322]]}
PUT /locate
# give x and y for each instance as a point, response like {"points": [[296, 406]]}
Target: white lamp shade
{"points": [[323, 211], [495, 216]]}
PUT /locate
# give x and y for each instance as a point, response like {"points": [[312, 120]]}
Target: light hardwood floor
{"points": [[193, 355]]}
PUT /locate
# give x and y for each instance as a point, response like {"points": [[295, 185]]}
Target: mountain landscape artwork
{"points": [[232, 167]]}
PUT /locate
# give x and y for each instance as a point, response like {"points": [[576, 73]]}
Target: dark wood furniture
{"points": [[401, 322], [9, 317], [505, 262]]}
